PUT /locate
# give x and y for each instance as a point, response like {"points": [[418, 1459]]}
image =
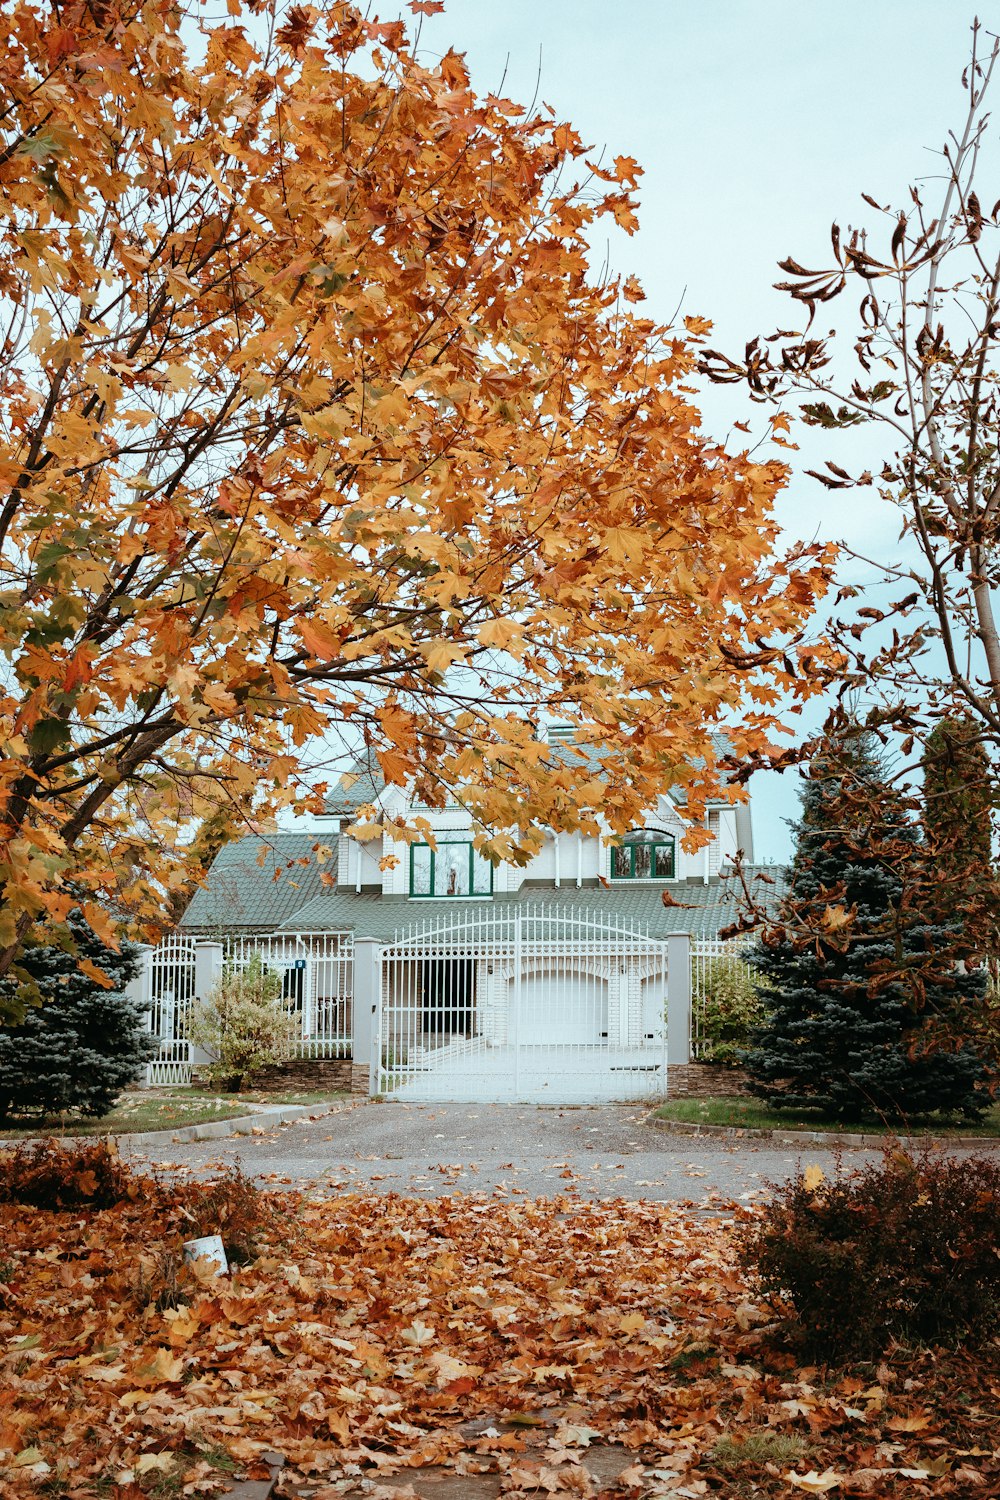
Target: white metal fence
{"points": [[534, 1004], [710, 959], [317, 984], [167, 982]]}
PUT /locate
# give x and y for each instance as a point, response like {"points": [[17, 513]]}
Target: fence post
{"points": [[208, 960], [678, 998], [366, 1045]]}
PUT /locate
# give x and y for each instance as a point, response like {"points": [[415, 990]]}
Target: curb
{"points": [[817, 1137], [268, 1116]]}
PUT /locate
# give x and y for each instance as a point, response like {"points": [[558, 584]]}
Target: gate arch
{"points": [[533, 1004]]}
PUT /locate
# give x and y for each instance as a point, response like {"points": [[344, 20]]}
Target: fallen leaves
{"points": [[380, 1335]]}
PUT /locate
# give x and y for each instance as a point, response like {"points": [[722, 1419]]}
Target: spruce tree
{"points": [[852, 970], [83, 1044], [960, 795]]}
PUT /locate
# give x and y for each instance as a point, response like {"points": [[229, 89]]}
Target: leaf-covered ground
{"points": [[372, 1336]]}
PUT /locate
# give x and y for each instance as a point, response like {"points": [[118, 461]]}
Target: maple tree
{"points": [[316, 418], [370, 1337]]}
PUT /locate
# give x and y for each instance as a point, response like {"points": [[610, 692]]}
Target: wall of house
{"points": [[358, 863], [567, 859]]}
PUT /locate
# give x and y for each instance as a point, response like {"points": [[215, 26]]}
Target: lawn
{"points": [[281, 1096], [155, 1109], [754, 1114], [368, 1337], [165, 1109]]}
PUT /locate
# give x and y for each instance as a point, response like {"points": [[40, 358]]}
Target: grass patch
{"points": [[755, 1114], [152, 1109], [757, 1449], [280, 1096]]}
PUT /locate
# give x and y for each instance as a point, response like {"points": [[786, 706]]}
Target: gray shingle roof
{"points": [[366, 782], [242, 894], [702, 909]]}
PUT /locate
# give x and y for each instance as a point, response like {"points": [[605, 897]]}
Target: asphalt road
{"points": [[605, 1151]]}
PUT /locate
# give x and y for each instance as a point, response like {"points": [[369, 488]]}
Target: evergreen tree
{"points": [[84, 1043], [854, 969], [960, 795]]}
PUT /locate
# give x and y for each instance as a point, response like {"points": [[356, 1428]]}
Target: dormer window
{"points": [[644, 854], [452, 869]]}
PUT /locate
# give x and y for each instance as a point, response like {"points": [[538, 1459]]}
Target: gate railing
{"points": [[317, 984], [167, 990], [712, 958], [531, 1003]]}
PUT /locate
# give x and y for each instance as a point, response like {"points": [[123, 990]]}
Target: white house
{"points": [[556, 979]]}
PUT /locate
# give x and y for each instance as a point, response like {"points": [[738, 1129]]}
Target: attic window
{"points": [[644, 854], [452, 869]]}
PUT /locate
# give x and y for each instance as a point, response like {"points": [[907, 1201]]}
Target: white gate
{"points": [[168, 987], [317, 983], [536, 1005]]}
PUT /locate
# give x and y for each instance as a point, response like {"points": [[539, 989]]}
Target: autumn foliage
{"points": [[317, 418], [905, 1248], [369, 1337]]}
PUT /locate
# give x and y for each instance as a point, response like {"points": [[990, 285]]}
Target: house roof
{"points": [[366, 781], [702, 909], [242, 893]]}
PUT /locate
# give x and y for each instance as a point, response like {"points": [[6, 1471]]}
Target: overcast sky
{"points": [[758, 122]]}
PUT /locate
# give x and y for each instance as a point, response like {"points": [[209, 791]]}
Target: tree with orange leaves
{"points": [[315, 419]]}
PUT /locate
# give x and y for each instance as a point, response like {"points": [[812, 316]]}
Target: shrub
{"points": [[53, 1176], [908, 1249], [730, 1007], [232, 1206], [244, 1025], [84, 1044]]}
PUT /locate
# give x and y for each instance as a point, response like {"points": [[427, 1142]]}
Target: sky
{"points": [[758, 123]]}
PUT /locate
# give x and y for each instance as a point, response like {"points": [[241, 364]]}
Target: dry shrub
{"points": [[231, 1206], [906, 1249], [53, 1175]]}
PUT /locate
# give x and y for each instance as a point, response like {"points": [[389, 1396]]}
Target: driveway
{"points": [[600, 1152]]}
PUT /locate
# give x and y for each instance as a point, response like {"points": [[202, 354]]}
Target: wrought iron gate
{"points": [[535, 1004], [167, 987]]}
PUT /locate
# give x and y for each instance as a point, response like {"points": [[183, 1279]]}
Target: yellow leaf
{"points": [[448, 1368], [814, 1483], [418, 1334], [88, 967], [163, 1369], [631, 1322], [150, 1461], [440, 655], [319, 639], [812, 1177]]}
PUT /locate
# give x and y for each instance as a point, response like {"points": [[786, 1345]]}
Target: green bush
{"points": [[907, 1249], [730, 1007], [244, 1025]]}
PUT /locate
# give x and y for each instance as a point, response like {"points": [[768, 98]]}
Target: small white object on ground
{"points": [[210, 1247]]}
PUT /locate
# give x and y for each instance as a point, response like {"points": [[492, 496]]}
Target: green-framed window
{"points": [[452, 869], [644, 854]]}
